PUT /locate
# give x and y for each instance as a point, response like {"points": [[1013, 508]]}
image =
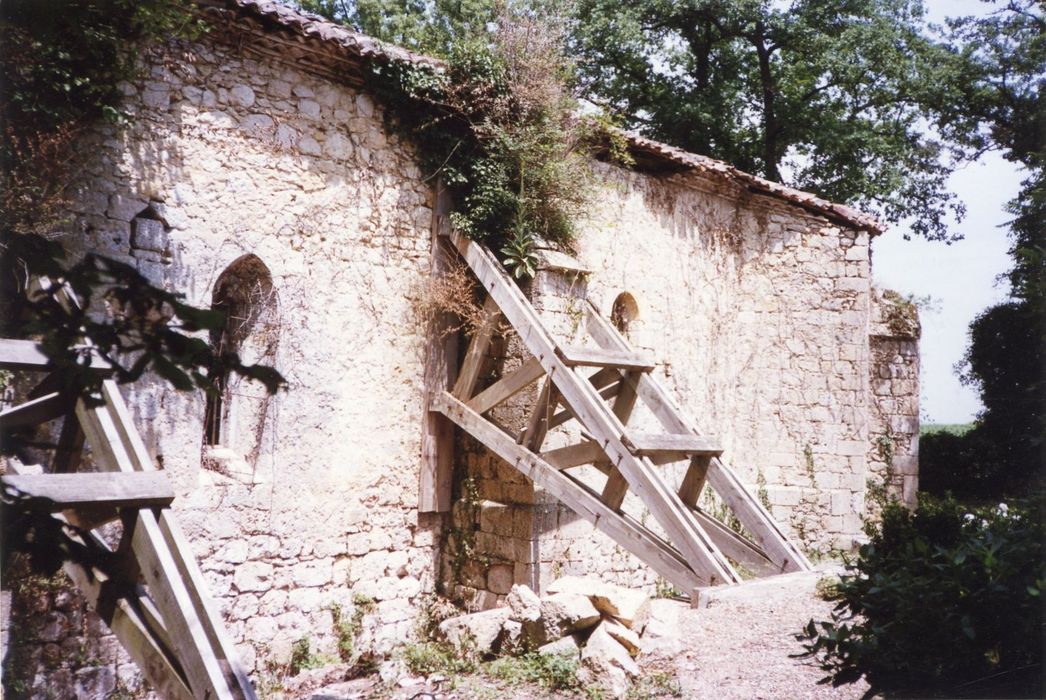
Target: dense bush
{"points": [[941, 602]]}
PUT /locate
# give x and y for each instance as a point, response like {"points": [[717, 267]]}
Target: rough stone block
{"points": [[479, 631], [625, 604], [566, 613]]}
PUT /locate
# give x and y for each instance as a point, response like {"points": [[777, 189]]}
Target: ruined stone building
{"points": [[260, 175]]}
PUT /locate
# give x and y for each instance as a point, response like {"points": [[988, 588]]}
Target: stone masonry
{"points": [[250, 175]]}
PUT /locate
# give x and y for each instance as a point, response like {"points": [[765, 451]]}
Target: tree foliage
{"points": [[942, 602], [1006, 359], [854, 100], [62, 64]]}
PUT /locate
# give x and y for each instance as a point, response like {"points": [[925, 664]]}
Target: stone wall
{"points": [[236, 166], [758, 313], [894, 431], [315, 505]]}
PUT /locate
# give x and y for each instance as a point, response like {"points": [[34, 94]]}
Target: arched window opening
{"points": [[624, 312], [236, 407]]}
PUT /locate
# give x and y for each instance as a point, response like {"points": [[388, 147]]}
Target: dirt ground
{"points": [[739, 646]]}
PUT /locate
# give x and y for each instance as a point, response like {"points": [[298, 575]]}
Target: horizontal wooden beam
{"points": [[58, 492], [663, 444], [39, 410], [575, 455], [574, 356], [26, 355]]}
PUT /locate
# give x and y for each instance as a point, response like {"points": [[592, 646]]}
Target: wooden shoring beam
{"points": [[755, 519], [585, 452], [694, 479], [29, 356], [678, 522], [617, 486], [737, 547], [70, 445], [508, 386], [119, 607], [174, 581], [40, 410], [217, 638], [606, 381], [436, 475], [626, 531], [468, 375], [57, 492], [537, 425], [574, 356]]}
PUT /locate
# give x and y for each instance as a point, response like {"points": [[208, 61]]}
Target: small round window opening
{"points": [[624, 312]]}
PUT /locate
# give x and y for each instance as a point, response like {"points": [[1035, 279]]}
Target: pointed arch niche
{"points": [[237, 409]]}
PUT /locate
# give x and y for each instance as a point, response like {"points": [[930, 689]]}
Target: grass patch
{"points": [[958, 429], [552, 671], [427, 658]]}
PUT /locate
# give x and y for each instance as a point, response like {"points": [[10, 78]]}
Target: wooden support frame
{"points": [[704, 545], [167, 623]]}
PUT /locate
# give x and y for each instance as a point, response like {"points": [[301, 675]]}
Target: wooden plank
{"points": [[694, 479], [441, 370], [166, 586], [204, 609], [477, 351], [142, 640], [628, 533], [47, 407], [537, 425], [658, 444], [576, 356], [746, 508], [575, 455], [736, 547], [508, 386], [70, 446], [617, 486], [663, 503], [57, 492], [27, 355]]}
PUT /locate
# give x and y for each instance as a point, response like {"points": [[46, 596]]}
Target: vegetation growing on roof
{"points": [[497, 126]]}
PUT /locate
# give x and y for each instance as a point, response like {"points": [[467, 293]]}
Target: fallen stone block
{"points": [[623, 636], [624, 604], [566, 646], [659, 626], [566, 613], [476, 631], [607, 664], [524, 603]]}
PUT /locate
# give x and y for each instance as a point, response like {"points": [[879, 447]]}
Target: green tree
{"points": [[425, 26], [852, 99], [1006, 359]]}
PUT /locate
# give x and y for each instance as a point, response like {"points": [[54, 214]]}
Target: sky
{"points": [[962, 278]]}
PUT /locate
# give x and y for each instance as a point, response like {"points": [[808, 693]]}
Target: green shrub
{"points": [[940, 602], [427, 658], [552, 671]]}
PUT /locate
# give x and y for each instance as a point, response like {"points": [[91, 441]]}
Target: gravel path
{"points": [[740, 645]]}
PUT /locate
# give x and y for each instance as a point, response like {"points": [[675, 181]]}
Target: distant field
{"points": [[953, 428]]}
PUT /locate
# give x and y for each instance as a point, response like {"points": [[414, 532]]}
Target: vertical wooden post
{"points": [[441, 370]]}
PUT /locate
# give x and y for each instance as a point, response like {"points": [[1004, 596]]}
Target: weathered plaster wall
{"points": [[238, 156]]}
